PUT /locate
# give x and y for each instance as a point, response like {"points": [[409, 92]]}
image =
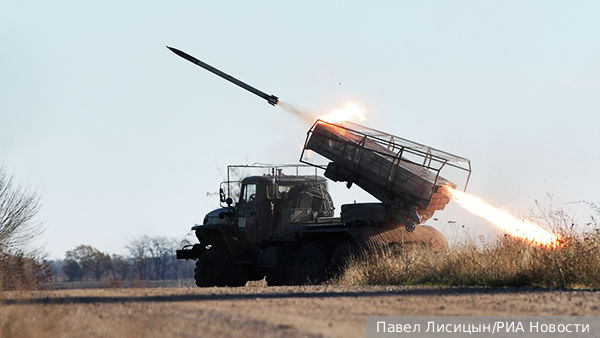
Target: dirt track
{"points": [[312, 311]]}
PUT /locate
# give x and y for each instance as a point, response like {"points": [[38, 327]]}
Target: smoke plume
{"points": [[301, 113]]}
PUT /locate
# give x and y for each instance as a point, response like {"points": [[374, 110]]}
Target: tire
{"points": [[312, 264], [216, 267], [341, 258]]}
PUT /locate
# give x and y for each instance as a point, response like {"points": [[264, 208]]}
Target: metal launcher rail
{"points": [[398, 172]]}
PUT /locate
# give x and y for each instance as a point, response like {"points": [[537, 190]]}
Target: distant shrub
{"points": [[19, 271], [112, 283]]}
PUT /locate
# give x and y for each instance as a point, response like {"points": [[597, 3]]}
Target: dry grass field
{"points": [[260, 311], [503, 262]]}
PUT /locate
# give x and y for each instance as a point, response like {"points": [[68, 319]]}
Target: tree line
{"points": [[147, 258]]}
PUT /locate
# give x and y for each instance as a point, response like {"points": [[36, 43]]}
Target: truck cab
{"points": [[275, 207]]}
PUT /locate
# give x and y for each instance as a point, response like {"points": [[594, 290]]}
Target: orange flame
{"points": [[524, 229], [351, 111]]}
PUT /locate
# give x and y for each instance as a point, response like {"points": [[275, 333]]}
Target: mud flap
{"points": [[190, 253]]}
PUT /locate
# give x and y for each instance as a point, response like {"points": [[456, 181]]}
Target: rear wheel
{"points": [[312, 264], [281, 276], [216, 267]]}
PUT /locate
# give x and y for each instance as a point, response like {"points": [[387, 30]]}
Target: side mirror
{"points": [[222, 195], [229, 201]]}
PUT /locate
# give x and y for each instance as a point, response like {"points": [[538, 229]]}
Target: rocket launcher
{"points": [[403, 175]]}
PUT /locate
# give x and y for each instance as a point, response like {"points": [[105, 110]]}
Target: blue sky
{"points": [[123, 138]]}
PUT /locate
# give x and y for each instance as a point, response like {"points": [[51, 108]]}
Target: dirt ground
{"points": [[259, 311]]}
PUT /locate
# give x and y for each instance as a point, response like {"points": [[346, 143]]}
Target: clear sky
{"points": [[123, 138]]}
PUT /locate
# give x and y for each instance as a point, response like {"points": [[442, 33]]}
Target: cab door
{"points": [[248, 213], [255, 212]]}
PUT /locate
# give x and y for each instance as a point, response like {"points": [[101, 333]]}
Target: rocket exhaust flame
{"points": [[525, 230], [350, 112]]}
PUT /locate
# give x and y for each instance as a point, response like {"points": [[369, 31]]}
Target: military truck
{"points": [[282, 227]]}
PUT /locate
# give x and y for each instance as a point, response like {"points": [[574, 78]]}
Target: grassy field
{"points": [[503, 262]]}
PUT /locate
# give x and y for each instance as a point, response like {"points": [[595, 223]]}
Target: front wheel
{"points": [[216, 267], [312, 264]]}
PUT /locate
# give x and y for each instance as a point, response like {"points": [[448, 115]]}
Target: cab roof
{"points": [[289, 179]]}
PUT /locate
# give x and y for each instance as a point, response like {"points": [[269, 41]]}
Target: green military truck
{"points": [[281, 226]]}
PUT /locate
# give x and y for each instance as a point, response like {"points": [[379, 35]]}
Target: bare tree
{"points": [[161, 251], [73, 270], [121, 265], [154, 258], [91, 260], [138, 251], [18, 207]]}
